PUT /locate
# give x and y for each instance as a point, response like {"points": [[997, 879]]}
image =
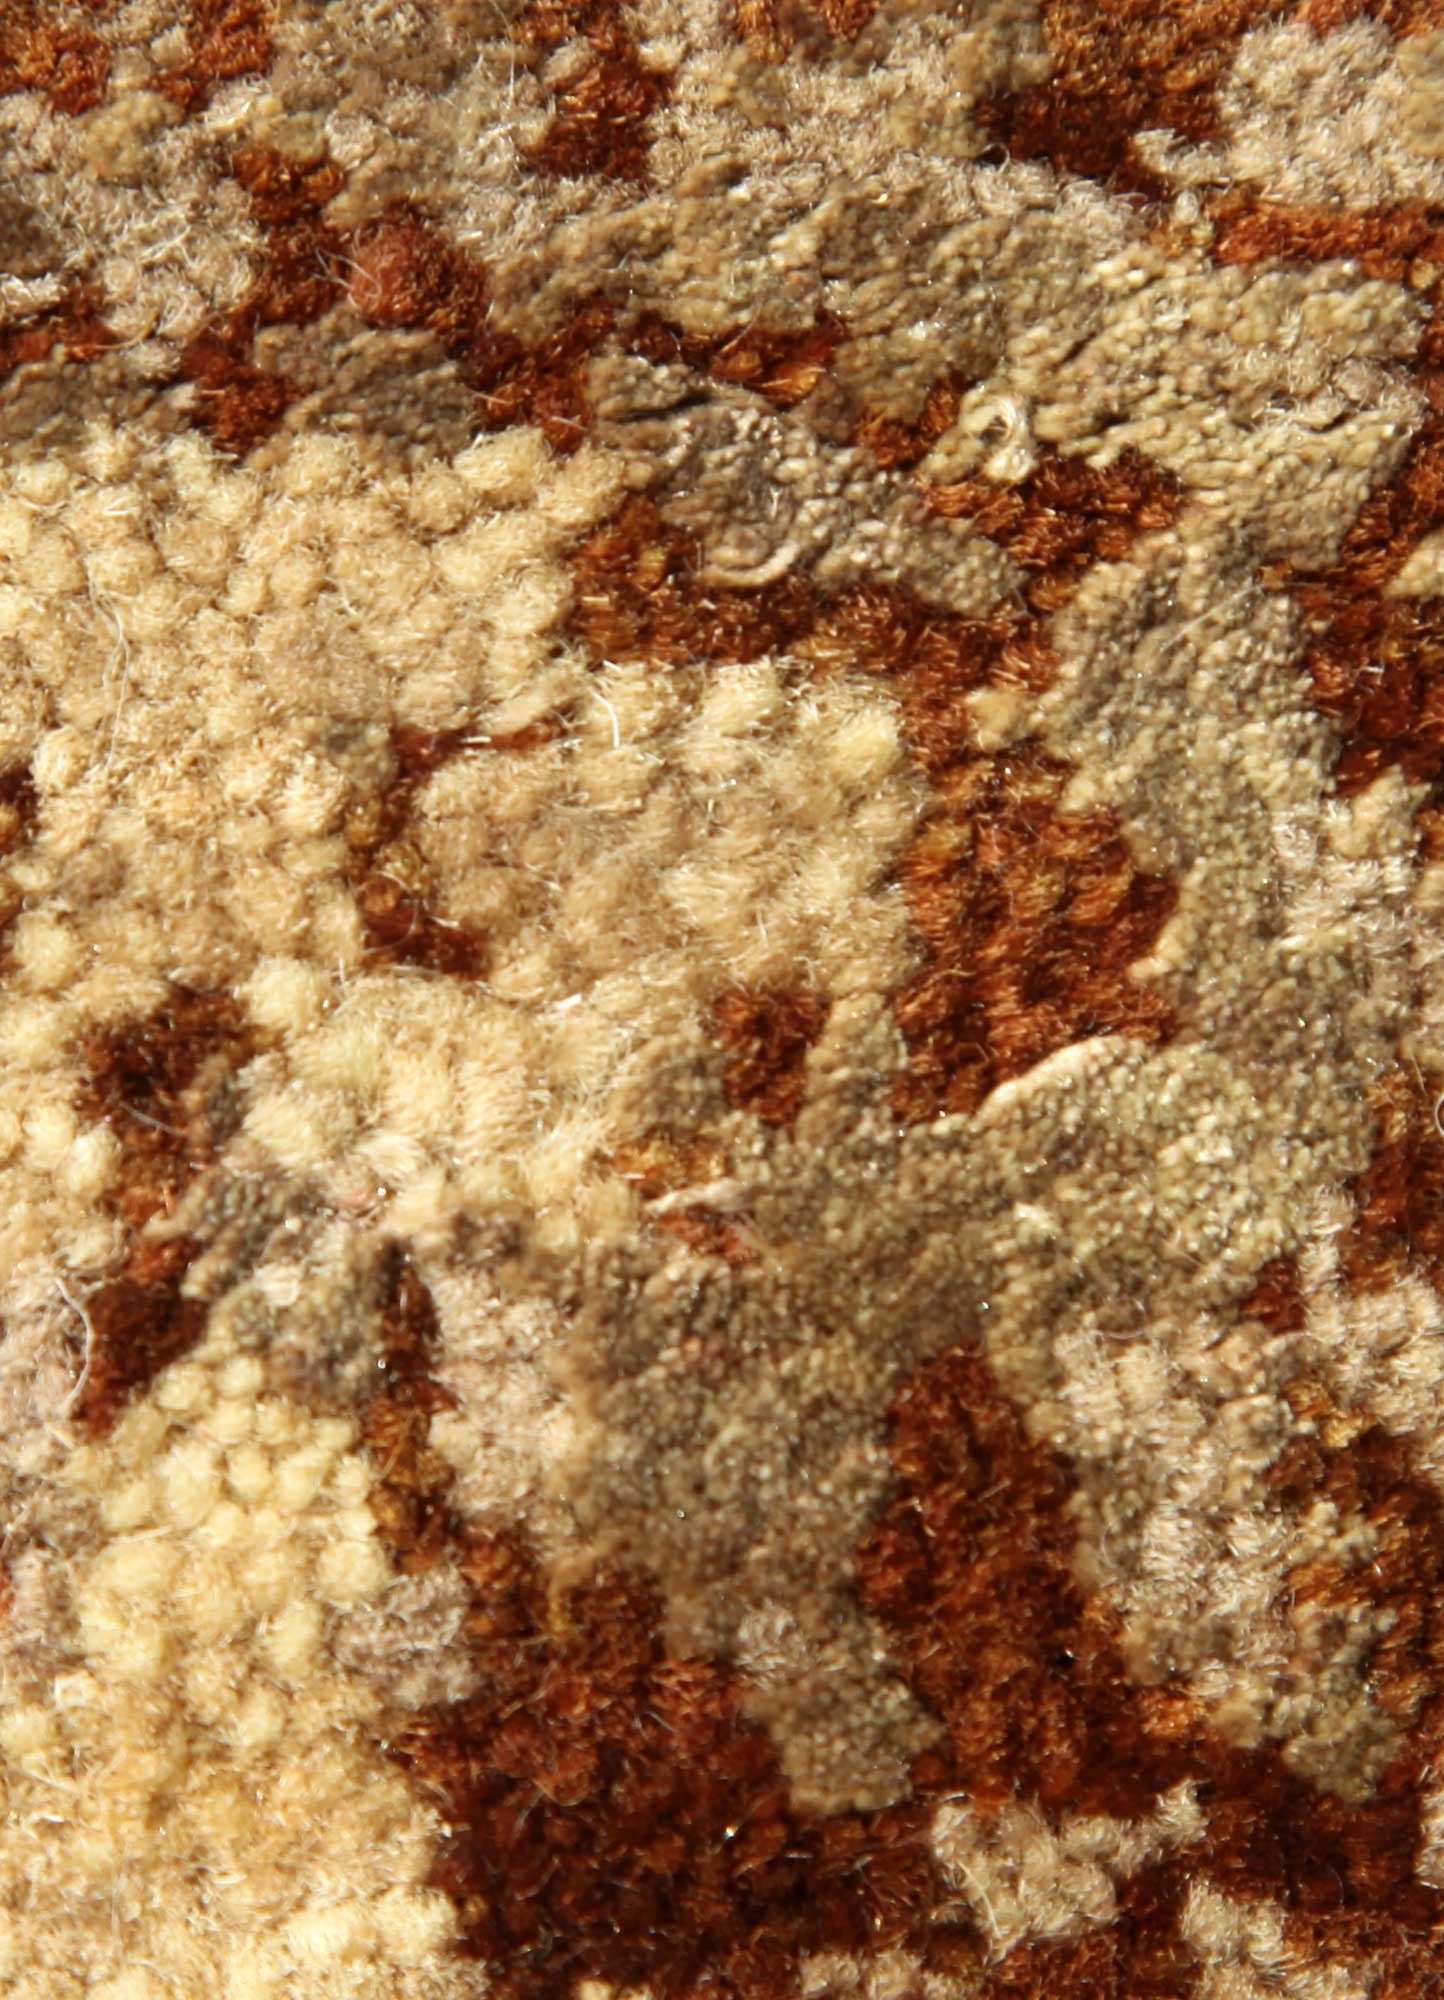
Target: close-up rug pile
{"points": [[721, 999]]}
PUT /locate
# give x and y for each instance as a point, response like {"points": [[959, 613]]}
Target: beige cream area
{"points": [[1026, 1881], [1246, 1954], [193, 1794], [1352, 116], [169, 241], [884, 1975]]}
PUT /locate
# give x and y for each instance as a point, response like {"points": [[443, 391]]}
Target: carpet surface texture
{"points": [[721, 999]]}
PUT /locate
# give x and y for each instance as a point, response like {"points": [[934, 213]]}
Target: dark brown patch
{"points": [[73, 325], [767, 1034], [1276, 1298], [298, 280], [1031, 917], [138, 1324], [972, 1570], [409, 1498], [1121, 67], [615, 1815], [601, 115], [228, 39], [19, 810], [1063, 517], [784, 365], [1399, 1221], [162, 1085], [40, 49], [392, 878]]}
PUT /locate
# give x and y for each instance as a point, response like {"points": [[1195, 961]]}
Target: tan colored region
{"points": [[204, 669]]}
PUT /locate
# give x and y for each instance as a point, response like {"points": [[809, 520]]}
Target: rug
{"points": [[721, 999]]}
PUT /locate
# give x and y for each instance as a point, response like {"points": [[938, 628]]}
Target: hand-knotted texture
{"points": [[722, 999]]}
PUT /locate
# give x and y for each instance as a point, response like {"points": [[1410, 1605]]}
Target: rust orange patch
{"points": [[616, 1816], [74, 325], [971, 1569], [601, 114], [1276, 1298], [896, 445], [772, 29], [638, 597], [659, 1163], [1063, 517], [19, 806], [139, 1324], [48, 49], [613, 1814], [1386, 243], [19, 809], [299, 279], [1376, 660], [160, 1084], [404, 273], [228, 39], [1401, 17], [1121, 67], [767, 1035], [1399, 1219], [1031, 917], [784, 365]]}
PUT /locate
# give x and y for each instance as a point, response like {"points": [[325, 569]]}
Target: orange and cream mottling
{"points": [[721, 999]]}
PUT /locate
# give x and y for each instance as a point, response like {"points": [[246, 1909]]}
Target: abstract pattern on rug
{"points": [[722, 999]]}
